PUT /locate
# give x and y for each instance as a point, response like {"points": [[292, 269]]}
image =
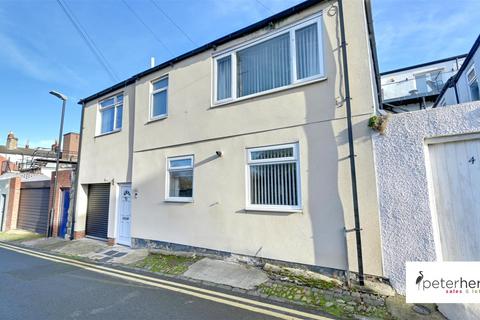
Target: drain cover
{"points": [[421, 309]]}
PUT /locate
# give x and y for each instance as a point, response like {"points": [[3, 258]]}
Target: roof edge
{"points": [[229, 37], [452, 81], [424, 64]]}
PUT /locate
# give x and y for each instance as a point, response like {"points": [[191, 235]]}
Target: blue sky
{"points": [[40, 50]]}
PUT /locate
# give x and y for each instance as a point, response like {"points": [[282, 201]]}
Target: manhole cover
{"points": [[418, 308], [110, 253]]}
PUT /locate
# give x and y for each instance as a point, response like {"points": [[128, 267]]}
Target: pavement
{"points": [[228, 273], [34, 288], [89, 248], [216, 271], [206, 270]]}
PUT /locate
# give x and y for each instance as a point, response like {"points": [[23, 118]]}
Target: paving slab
{"points": [[82, 247], [405, 311], [228, 273], [45, 243]]}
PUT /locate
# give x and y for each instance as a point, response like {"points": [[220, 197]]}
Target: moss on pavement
{"points": [[18, 235], [168, 264]]}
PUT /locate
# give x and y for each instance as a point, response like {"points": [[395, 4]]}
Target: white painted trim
{"points": [[267, 92], [151, 117], [168, 198], [115, 106], [296, 159]]}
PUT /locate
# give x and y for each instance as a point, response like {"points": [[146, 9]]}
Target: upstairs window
{"points": [[274, 178], [473, 84], [180, 179], [159, 105], [289, 56], [111, 111]]}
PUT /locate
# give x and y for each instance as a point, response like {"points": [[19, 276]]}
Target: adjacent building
{"points": [[464, 86], [241, 146], [417, 87], [27, 186], [14, 158]]}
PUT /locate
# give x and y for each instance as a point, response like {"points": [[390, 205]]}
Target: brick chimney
{"points": [[70, 146], [11, 141]]}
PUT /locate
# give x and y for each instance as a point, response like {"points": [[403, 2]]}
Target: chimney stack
{"points": [[70, 146], [11, 141]]}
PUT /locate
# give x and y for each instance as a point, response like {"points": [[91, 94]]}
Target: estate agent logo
{"points": [[443, 282]]}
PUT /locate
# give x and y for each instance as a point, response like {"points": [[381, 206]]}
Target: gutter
{"points": [[351, 147], [211, 45], [77, 175]]}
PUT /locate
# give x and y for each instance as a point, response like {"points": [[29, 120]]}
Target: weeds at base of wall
{"points": [[338, 302], [168, 264]]}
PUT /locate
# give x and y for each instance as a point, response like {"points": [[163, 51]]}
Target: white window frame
{"points": [[317, 18], [168, 198], [115, 105], [294, 158], [151, 117]]}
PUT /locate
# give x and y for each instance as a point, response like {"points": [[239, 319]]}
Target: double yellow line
{"points": [[227, 299]]}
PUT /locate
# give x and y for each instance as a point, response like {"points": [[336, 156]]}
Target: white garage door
{"points": [[456, 182]]}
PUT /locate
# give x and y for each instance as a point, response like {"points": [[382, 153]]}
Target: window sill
{"points": [[270, 209], [182, 200], [107, 133], [263, 93], [157, 119]]}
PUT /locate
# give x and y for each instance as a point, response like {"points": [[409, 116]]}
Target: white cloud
{"points": [[422, 31], [33, 64]]}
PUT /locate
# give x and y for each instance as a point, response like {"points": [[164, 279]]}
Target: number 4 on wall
{"points": [[472, 160]]}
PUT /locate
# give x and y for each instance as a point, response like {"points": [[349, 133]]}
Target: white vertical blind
{"points": [[307, 51], [224, 78], [273, 177], [274, 184], [264, 66]]}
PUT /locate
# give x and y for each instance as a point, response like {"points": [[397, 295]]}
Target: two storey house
{"points": [[241, 146]]}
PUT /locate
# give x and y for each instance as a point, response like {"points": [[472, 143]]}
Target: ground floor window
{"points": [[273, 178], [180, 178]]}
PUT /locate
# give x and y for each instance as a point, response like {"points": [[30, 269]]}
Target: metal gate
{"points": [[97, 210], [33, 207]]}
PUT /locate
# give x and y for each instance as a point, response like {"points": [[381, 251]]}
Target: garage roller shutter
{"points": [[97, 210], [33, 210]]}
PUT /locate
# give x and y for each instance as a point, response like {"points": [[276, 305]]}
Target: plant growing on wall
{"points": [[378, 123]]}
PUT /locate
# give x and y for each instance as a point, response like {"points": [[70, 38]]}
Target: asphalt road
{"points": [[34, 288]]}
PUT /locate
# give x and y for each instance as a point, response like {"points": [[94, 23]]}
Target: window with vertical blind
{"points": [[111, 112], [283, 58], [273, 178]]}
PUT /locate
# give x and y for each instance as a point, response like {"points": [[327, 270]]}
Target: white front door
{"points": [[124, 214]]}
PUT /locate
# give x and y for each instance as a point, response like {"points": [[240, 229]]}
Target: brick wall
{"points": [[70, 146], [13, 203], [64, 182]]}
